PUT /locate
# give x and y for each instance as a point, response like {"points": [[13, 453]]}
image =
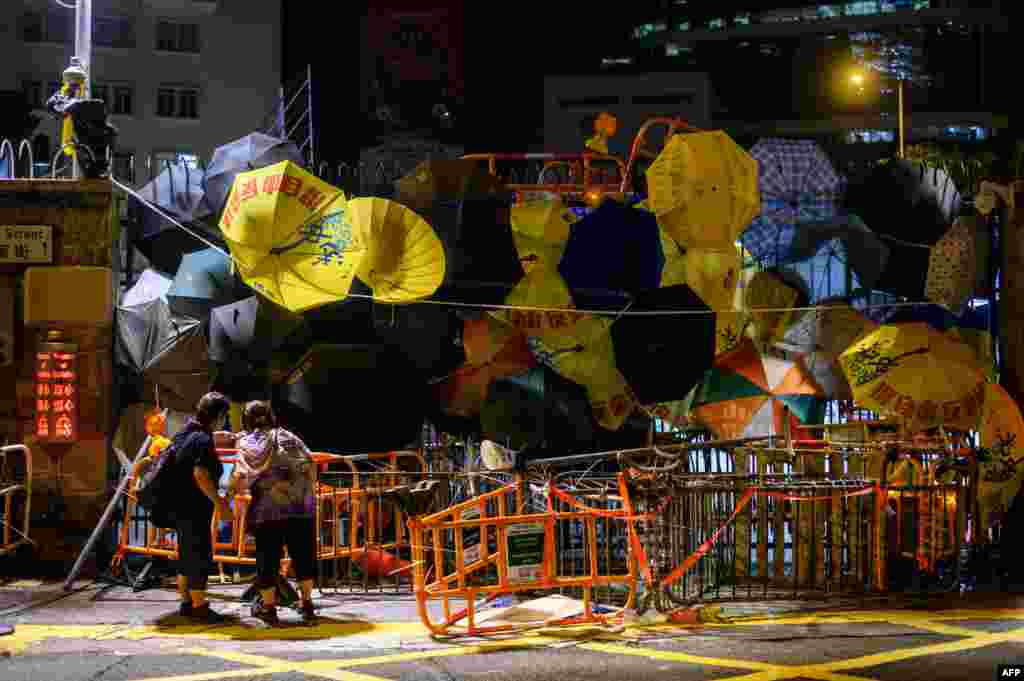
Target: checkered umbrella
{"points": [[798, 184]]}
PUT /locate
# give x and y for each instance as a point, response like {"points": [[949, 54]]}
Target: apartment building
{"points": [[180, 77]]}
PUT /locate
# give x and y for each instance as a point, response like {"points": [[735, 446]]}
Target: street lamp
{"points": [[858, 80]]}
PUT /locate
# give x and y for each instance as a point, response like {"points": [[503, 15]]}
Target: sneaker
{"points": [[205, 615], [308, 612], [265, 613]]}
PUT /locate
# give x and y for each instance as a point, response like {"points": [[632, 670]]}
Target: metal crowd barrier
{"points": [[354, 520], [499, 544], [16, 493]]}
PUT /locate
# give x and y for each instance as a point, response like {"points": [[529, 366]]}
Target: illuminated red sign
{"points": [[56, 396]]}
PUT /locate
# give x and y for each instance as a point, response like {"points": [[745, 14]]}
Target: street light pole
{"points": [[83, 41], [899, 99]]}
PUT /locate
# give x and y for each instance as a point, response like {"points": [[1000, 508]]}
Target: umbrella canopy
{"points": [[916, 373], [464, 391], [955, 265], [179, 191], [715, 275], [241, 380], [248, 153], [673, 272], [648, 351], [1001, 431], [768, 297], [798, 184], [747, 394], [291, 236], [405, 260], [204, 280], [426, 335], [151, 285], [911, 207], [166, 350], [251, 328], [352, 398], [828, 253], [459, 199], [612, 254], [162, 243], [540, 288], [540, 410], [703, 188], [586, 356], [541, 232]]}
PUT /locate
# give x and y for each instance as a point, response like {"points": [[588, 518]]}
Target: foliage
{"points": [[966, 170]]}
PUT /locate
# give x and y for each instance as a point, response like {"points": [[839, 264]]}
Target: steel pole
{"points": [[83, 41], [899, 98]]}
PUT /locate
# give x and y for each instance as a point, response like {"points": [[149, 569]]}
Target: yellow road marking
{"points": [[671, 656]]}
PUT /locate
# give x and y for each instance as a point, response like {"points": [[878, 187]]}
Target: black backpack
{"points": [[154, 489]]}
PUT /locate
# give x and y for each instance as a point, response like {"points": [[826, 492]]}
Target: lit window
{"points": [[828, 11], [674, 50], [161, 159], [716, 24], [862, 8], [177, 37], [922, 4], [770, 50], [643, 31], [741, 19], [683, 26]]}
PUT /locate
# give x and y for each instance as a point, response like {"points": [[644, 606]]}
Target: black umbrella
{"points": [[911, 207], [168, 351], [427, 335], [353, 398], [462, 203], [251, 328], [253, 151], [241, 380], [663, 356], [204, 280], [539, 411], [612, 253], [347, 321]]}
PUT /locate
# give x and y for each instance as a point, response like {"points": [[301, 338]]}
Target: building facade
{"points": [[180, 77], [633, 99], [784, 67]]}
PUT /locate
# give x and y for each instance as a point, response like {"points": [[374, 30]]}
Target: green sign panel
{"points": [[525, 544]]}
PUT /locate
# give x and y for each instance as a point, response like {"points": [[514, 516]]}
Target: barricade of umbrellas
{"points": [[730, 297]]}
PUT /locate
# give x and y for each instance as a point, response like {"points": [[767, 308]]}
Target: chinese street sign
{"points": [[29, 244], [525, 543], [56, 394]]}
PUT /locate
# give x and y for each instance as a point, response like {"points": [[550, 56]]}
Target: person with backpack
{"points": [[190, 500], [277, 469]]}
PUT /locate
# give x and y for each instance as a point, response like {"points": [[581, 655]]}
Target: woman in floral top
{"points": [[276, 468]]}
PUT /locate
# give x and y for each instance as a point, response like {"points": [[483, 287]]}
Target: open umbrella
{"points": [[714, 275], [405, 260], [1001, 432], [673, 272], [798, 184], [540, 410], [748, 394], [165, 350], [911, 207], [204, 280], [612, 254], [251, 152], [464, 390], [426, 335], [459, 199], [291, 236], [586, 356], [352, 398], [251, 328], [838, 256], [179, 190], [151, 285], [541, 231], [769, 298], [543, 288], [703, 188], [957, 264], [916, 373], [664, 357]]}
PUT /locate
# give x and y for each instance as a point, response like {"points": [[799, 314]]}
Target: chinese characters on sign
{"points": [[311, 197], [26, 244], [56, 396]]}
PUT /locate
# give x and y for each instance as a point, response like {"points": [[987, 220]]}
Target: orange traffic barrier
{"points": [[351, 514], [489, 546]]}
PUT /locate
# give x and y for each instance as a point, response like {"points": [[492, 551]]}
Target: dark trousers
{"points": [[195, 550], [299, 534]]}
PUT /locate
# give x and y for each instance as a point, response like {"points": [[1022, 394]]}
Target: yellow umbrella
{"points": [[535, 253], [768, 298], [917, 374], [542, 287], [405, 259], [1001, 431], [587, 357], [714, 276], [547, 220], [703, 188], [953, 266], [673, 273], [290, 236]]}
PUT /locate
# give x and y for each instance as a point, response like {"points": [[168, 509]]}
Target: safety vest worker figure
{"points": [[73, 86]]}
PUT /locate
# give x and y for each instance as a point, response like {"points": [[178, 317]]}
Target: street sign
{"points": [[26, 244], [525, 547]]}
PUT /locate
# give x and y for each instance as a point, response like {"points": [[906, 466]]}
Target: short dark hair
{"points": [[258, 414], [211, 407]]}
